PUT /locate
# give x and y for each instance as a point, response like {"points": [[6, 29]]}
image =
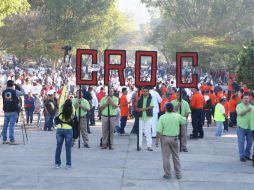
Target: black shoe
{"points": [[184, 150], [193, 137], [86, 146], [248, 158], [243, 160], [166, 177]]}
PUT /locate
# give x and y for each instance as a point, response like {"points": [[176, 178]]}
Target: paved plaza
{"points": [[211, 163]]}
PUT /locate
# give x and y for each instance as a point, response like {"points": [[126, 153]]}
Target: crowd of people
{"points": [[160, 112]]}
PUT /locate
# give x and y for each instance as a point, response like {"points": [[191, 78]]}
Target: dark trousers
{"points": [[29, 115], [99, 112], [225, 123], [123, 124], [136, 123], [233, 116], [91, 116], [208, 116], [87, 120], [197, 123]]}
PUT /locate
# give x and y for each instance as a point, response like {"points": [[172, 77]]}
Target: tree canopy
{"points": [[245, 69], [51, 24], [9, 7], [216, 29]]}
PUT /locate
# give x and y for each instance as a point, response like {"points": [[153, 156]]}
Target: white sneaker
{"points": [[56, 166]]}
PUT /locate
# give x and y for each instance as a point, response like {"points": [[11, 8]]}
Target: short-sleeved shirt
{"points": [[252, 119], [218, 113], [168, 124], [144, 115], [84, 103], [124, 109], [112, 111], [185, 108], [243, 121]]}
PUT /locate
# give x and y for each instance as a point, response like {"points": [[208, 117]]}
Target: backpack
{"points": [[73, 123], [10, 100]]}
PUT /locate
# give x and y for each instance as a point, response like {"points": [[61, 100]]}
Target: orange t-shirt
{"points": [[226, 106], [164, 100], [124, 108], [172, 97], [233, 103], [213, 99], [230, 87], [197, 101], [219, 95]]}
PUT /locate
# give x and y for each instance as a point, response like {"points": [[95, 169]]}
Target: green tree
{"points": [[9, 7], [245, 62], [215, 29]]}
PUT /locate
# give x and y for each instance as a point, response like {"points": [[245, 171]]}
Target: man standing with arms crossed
{"points": [[243, 128], [167, 132], [185, 111], [145, 111], [197, 104], [110, 102]]}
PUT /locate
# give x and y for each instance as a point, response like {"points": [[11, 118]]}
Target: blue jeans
{"points": [[48, 121], [123, 124], [39, 119], [9, 118], [219, 127], [61, 135], [242, 135], [29, 115]]}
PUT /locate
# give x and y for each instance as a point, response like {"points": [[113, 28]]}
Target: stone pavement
{"points": [[211, 163]]}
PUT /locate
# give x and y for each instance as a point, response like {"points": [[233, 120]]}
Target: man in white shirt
{"points": [[157, 100], [27, 86]]}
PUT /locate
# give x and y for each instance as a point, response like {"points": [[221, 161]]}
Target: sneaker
{"points": [[13, 143], [68, 166], [185, 150], [5, 142], [149, 149], [57, 166], [86, 146], [248, 158], [166, 177]]}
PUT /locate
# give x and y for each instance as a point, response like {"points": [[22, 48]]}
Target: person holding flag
{"points": [[64, 130]]}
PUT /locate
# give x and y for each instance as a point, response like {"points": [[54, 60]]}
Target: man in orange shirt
{"points": [[232, 108], [162, 104], [172, 95], [213, 99], [197, 104], [124, 110]]}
